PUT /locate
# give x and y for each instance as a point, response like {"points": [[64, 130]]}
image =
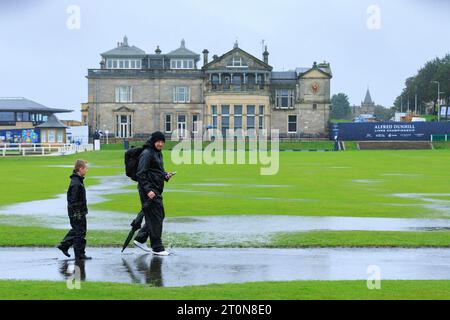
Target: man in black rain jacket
{"points": [[151, 177]]}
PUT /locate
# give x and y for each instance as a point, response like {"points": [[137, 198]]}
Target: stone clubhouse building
{"points": [[134, 93]]}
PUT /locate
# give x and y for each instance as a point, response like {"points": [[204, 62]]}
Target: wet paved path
{"points": [[206, 266]]}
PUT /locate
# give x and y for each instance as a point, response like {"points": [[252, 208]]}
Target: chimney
{"points": [[266, 56], [205, 56]]}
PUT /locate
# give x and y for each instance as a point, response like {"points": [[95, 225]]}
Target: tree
{"points": [[340, 106], [420, 84], [383, 113]]}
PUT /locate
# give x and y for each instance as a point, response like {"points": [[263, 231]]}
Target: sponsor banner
{"points": [[388, 131]]}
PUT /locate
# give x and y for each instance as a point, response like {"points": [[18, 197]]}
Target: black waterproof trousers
{"points": [[154, 216], [76, 237]]}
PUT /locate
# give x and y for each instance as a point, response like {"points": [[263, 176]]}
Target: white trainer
{"points": [[142, 246], [161, 253]]}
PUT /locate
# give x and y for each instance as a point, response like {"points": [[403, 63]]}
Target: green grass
{"points": [[352, 183], [45, 237], [340, 120], [35, 178], [441, 145], [359, 184], [294, 290], [351, 145], [361, 239], [283, 145], [430, 117]]}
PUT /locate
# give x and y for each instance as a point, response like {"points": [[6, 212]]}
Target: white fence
{"points": [[24, 149]]}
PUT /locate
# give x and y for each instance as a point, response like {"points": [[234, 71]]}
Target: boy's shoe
{"points": [[83, 257], [161, 253], [142, 246], [65, 251]]}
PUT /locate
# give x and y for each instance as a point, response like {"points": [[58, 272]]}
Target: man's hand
{"points": [[151, 195], [169, 175]]}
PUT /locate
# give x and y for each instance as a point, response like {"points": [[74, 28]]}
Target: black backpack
{"points": [[132, 161]]}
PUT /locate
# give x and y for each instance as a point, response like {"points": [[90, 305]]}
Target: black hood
{"points": [[156, 136], [75, 174]]}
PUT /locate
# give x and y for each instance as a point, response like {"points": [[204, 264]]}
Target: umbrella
{"points": [[135, 225]]}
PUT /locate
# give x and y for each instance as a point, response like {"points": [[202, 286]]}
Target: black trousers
{"points": [[76, 237], [154, 217]]}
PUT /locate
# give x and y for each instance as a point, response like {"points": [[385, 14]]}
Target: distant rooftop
{"points": [[182, 51], [284, 75], [124, 50], [23, 104], [52, 122]]}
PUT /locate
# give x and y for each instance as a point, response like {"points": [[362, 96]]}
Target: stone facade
{"points": [[133, 94]]}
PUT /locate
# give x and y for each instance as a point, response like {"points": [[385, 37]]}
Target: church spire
{"points": [[368, 98]]}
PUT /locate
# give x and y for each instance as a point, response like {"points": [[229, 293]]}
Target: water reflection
{"points": [[73, 269], [145, 270]]}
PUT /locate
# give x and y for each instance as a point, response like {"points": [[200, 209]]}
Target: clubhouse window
{"points": [[181, 94], [124, 94], [168, 123], [250, 117], [292, 124], [284, 99], [214, 116], [225, 124], [123, 64], [237, 117], [195, 120], [181, 64], [261, 117]]}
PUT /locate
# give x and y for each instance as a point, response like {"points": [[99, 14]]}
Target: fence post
{"points": [[43, 151], [23, 151]]}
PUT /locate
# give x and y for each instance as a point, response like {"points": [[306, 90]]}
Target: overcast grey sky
{"points": [[44, 60]]}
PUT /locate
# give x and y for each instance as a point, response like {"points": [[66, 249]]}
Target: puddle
{"points": [[53, 212], [367, 181], [206, 266], [262, 224], [238, 185], [432, 201], [91, 165], [402, 174], [210, 184]]}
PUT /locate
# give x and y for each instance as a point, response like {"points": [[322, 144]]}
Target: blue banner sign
{"points": [[388, 131], [20, 136]]}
